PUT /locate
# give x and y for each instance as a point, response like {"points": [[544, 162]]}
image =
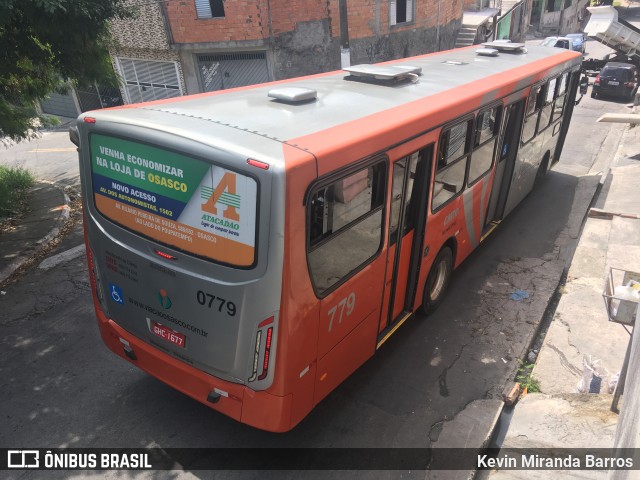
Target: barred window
{"points": [[210, 8], [400, 11]]}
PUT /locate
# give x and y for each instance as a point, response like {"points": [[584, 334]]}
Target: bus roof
{"points": [[445, 81]]}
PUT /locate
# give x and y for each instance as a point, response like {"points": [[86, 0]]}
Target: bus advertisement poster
{"points": [[183, 202]]}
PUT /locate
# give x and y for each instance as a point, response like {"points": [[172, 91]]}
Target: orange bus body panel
{"points": [[316, 350], [258, 409], [346, 356], [299, 314]]}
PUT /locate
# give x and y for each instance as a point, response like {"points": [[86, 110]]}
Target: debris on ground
{"points": [[519, 295]]}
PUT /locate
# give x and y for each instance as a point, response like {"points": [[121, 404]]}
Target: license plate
{"points": [[168, 334], [614, 83]]}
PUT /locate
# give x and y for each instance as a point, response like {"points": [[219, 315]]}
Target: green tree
{"points": [[45, 43]]}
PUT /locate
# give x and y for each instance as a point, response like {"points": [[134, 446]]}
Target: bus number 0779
{"points": [[207, 300]]}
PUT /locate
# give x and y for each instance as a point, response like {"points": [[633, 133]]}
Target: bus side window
{"points": [[531, 117], [558, 107], [487, 126], [453, 152], [345, 225], [547, 107]]}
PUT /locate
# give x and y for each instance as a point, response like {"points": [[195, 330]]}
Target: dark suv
{"points": [[616, 79]]}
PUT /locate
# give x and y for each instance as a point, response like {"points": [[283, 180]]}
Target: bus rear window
{"points": [[176, 200]]}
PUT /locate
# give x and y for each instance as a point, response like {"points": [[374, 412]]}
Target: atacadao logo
{"points": [[164, 299], [224, 194]]}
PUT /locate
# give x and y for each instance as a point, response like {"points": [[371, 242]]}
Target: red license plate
{"points": [[168, 334]]}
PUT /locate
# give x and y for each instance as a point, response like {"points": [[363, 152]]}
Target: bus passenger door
{"points": [[410, 187], [506, 162]]}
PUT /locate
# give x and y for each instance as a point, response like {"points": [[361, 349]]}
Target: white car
{"points": [[558, 42]]}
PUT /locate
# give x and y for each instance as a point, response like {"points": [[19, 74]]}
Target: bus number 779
{"points": [[348, 302]]}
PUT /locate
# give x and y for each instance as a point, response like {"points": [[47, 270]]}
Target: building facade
{"points": [[178, 47], [559, 17]]}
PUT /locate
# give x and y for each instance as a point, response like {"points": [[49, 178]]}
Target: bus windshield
{"points": [[176, 200]]}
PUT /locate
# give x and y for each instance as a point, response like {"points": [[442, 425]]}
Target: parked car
{"points": [[617, 80], [558, 42], [578, 40]]}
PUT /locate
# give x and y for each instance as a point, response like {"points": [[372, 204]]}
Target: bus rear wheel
{"points": [[437, 280]]}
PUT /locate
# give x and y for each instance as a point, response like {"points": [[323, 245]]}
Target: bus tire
{"points": [[542, 169], [437, 281]]}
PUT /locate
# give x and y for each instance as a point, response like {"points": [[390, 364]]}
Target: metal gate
{"points": [[60, 104], [147, 80], [94, 97], [229, 70]]}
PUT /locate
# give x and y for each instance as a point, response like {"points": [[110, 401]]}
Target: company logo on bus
{"points": [[223, 194], [164, 299]]}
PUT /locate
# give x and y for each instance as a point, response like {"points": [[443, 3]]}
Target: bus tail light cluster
{"points": [[262, 350], [96, 279]]}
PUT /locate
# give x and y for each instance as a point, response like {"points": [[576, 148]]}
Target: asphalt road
{"points": [[60, 387]]}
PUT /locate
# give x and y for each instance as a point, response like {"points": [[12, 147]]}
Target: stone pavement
{"points": [[49, 210], [562, 417]]}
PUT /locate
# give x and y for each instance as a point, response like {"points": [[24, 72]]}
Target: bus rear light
{"points": [[256, 357], [266, 352], [266, 322], [258, 164], [96, 279], [89, 120], [166, 256]]}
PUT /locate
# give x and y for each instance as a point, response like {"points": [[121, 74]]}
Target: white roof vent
{"points": [[487, 52], [384, 72], [505, 46], [293, 94]]}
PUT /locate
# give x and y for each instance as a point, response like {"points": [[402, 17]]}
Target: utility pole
{"points": [[345, 50]]}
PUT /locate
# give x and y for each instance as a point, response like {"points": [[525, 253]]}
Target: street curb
{"points": [[63, 216]]}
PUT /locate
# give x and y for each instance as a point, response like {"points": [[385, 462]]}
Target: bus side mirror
{"points": [[74, 136], [584, 84]]}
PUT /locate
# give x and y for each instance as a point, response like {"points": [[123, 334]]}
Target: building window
{"points": [[210, 8], [400, 11], [554, 5], [345, 225]]}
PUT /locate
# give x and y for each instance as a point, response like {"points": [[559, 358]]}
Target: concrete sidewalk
{"points": [[48, 210], [561, 417]]}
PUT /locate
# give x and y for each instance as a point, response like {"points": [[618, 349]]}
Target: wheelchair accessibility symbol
{"points": [[116, 293]]}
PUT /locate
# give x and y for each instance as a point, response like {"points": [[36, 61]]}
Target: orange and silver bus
{"points": [[253, 247]]}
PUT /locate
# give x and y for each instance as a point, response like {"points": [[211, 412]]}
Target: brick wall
{"points": [[371, 17], [243, 20], [301, 36]]}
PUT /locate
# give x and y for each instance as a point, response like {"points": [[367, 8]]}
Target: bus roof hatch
{"points": [[384, 72]]}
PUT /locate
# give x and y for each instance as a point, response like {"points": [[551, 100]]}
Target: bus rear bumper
{"points": [[258, 409]]}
